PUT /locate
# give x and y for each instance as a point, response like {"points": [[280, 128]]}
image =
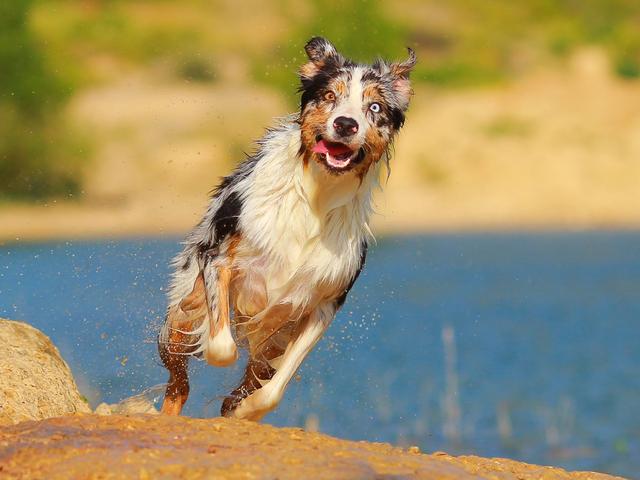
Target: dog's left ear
{"points": [[321, 53], [400, 78]]}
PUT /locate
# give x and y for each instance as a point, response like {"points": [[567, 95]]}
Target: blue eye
{"points": [[375, 107]]}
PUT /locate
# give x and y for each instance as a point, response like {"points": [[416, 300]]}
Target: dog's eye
{"points": [[375, 107], [329, 96]]}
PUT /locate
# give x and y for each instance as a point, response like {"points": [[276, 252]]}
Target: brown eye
{"points": [[329, 96]]}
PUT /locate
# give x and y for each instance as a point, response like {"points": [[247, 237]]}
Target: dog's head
{"points": [[349, 112]]}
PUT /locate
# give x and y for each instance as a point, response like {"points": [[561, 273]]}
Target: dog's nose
{"points": [[345, 126]]}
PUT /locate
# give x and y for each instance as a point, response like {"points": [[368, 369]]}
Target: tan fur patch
{"points": [[309, 70], [371, 92], [313, 124], [340, 88], [224, 279]]}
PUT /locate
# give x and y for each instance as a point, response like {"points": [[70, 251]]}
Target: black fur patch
{"points": [[186, 264], [313, 88], [397, 118], [223, 224], [371, 76], [363, 257], [225, 220]]}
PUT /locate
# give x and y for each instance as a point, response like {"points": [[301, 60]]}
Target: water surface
{"points": [[517, 345]]}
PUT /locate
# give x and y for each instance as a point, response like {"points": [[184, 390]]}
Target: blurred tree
{"points": [[32, 162]]}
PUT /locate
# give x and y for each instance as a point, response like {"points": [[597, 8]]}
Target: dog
{"points": [[285, 236]]}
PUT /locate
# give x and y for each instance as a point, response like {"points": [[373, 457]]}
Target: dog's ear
{"points": [[400, 78], [321, 53]]}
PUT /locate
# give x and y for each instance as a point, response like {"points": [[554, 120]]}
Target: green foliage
{"points": [[37, 157], [196, 69], [459, 43], [115, 28], [625, 46], [24, 79], [453, 74], [358, 28], [469, 42], [628, 66], [32, 162]]}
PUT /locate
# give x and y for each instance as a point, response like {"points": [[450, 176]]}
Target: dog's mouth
{"points": [[337, 156]]}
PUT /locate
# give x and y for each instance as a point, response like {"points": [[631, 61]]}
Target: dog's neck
{"points": [[326, 192]]}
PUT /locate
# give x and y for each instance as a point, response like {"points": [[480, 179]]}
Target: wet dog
{"points": [[285, 236]]}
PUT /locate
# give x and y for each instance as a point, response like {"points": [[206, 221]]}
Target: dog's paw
{"points": [[253, 407]]}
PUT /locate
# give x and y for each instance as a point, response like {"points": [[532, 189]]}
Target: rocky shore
{"points": [[78, 444], [146, 446]]}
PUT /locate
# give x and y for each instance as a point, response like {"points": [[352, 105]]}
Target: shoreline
{"points": [[80, 222]]}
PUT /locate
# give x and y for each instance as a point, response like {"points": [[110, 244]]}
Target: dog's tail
{"points": [[186, 326]]}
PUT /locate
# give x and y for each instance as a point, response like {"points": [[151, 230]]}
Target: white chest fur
{"points": [[302, 230]]}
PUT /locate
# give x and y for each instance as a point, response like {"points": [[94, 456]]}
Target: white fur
{"points": [[351, 107], [221, 350], [302, 229]]}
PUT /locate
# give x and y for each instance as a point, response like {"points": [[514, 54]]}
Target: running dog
{"points": [[285, 236]]}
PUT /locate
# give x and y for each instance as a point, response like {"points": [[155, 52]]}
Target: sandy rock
{"points": [[35, 382], [157, 446]]}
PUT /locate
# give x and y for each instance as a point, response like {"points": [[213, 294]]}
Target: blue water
{"points": [[544, 361]]}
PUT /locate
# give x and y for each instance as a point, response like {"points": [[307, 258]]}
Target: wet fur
{"points": [[284, 237]]}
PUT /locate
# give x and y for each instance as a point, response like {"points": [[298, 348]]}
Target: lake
{"points": [[522, 345]]}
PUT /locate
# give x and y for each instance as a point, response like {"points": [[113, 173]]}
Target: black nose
{"points": [[345, 126]]}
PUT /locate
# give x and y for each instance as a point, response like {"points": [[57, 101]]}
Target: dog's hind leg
{"points": [[178, 340], [178, 386]]}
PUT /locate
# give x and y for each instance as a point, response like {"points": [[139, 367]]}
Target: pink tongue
{"points": [[333, 149]]}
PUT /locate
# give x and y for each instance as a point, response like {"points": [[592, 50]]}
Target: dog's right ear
{"points": [[321, 53]]}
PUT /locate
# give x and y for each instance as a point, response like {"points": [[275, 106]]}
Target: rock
{"points": [[35, 382], [158, 446]]}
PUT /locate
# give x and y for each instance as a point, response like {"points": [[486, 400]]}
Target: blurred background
{"points": [[117, 117], [499, 312]]}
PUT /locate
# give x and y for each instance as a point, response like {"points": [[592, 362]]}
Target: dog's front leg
{"points": [[265, 399], [220, 350]]}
